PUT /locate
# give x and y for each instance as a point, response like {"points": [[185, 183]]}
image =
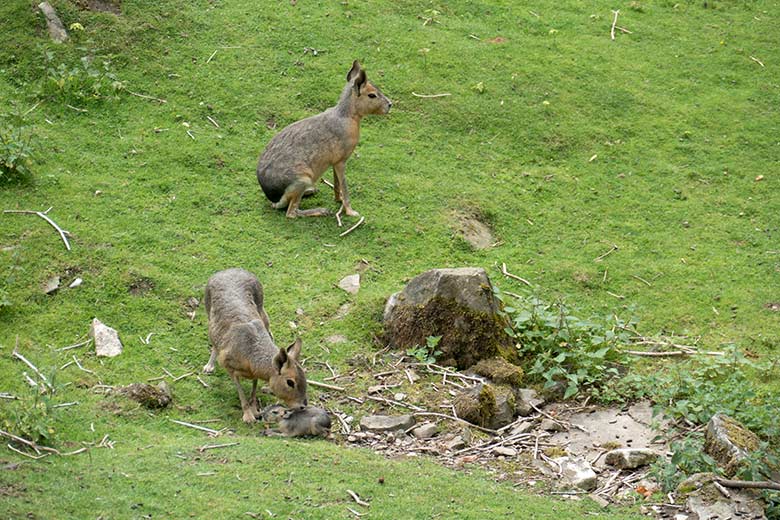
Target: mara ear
{"points": [[279, 360], [294, 350], [360, 80], [354, 70]]}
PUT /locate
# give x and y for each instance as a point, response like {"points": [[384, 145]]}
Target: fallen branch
{"points": [[31, 444], [614, 23], [182, 376], [201, 381], [428, 96], [350, 230], [757, 60], [748, 484], [514, 276], [43, 215], [325, 385], [20, 452]]}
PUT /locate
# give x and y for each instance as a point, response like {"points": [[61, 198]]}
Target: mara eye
{"points": [[291, 383], [372, 96]]}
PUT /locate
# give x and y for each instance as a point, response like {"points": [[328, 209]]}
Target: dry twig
{"points": [[350, 230], [325, 385], [215, 446], [748, 484], [514, 276], [614, 22], [29, 364], [357, 499], [195, 426], [44, 216], [443, 94]]}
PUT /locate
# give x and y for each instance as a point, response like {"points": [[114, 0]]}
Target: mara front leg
{"points": [[248, 416], [340, 186]]}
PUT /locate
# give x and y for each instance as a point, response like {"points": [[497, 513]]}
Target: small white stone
{"points": [[350, 283]]}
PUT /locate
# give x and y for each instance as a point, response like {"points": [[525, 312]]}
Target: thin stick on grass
{"points": [[602, 257], [429, 96], [195, 426], [144, 96], [64, 405], [212, 121], [81, 367], [325, 385], [353, 228], [31, 444], [757, 60], [614, 23], [29, 364], [44, 216], [642, 280], [77, 109], [77, 345], [182, 376], [5, 395], [514, 276], [357, 499], [201, 381], [327, 182], [20, 452], [212, 56], [216, 446], [338, 215]]}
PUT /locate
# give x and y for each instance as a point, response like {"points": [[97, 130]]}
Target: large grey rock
{"points": [[107, 343], [577, 472], [56, 28], [525, 400], [456, 304], [728, 442], [386, 423], [630, 458]]}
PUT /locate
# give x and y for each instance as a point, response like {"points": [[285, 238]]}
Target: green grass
{"points": [[680, 117]]}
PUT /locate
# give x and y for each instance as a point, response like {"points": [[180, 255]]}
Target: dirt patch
{"points": [[12, 490], [140, 286], [103, 6], [472, 228], [773, 306]]}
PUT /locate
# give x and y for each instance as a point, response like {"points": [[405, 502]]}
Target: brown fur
{"points": [[295, 158], [242, 343], [308, 421]]}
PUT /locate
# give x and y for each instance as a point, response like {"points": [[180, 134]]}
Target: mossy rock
{"points": [[486, 405], [459, 306], [150, 396], [500, 371], [729, 442]]}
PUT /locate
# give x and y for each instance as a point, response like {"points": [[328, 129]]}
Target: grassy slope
{"points": [[681, 118]]}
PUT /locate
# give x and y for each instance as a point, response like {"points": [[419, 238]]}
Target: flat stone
{"points": [[549, 425], [425, 431], [525, 400], [704, 502], [578, 472], [523, 427], [505, 451], [335, 339], [456, 443], [107, 343], [630, 458], [386, 423], [350, 283], [51, 285]]}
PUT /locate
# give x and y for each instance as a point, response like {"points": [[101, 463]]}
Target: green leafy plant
{"points": [[18, 143], [688, 458], [31, 416], [426, 353], [565, 349], [82, 82]]}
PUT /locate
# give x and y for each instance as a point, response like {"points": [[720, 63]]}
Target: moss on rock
{"points": [[500, 371]]}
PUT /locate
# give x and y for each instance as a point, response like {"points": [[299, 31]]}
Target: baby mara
{"points": [[299, 422]]}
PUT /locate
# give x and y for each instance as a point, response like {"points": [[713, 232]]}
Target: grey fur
{"points": [[301, 422]]}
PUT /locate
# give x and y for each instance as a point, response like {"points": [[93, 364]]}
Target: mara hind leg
{"points": [[292, 200]]}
